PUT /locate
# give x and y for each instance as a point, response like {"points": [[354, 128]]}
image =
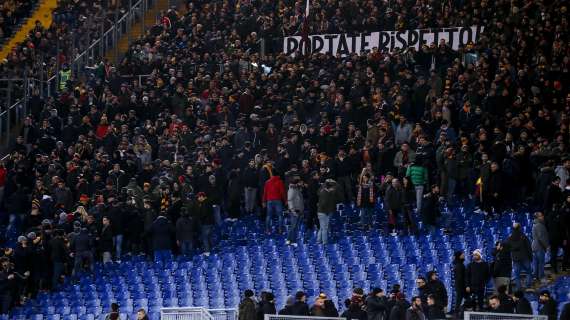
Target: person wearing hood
{"points": [[376, 305], [476, 277], [521, 255], [459, 279], [539, 246], [161, 232], [329, 196], [274, 198], [296, 207]]}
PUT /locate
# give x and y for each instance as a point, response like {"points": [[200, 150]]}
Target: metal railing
{"points": [[197, 313], [501, 316]]}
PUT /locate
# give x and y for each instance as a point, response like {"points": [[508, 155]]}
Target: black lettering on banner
{"points": [[412, 38], [353, 43], [392, 41], [421, 40], [401, 39], [317, 44], [436, 32], [384, 41], [342, 46], [363, 43], [292, 45], [451, 31], [461, 36], [330, 38]]}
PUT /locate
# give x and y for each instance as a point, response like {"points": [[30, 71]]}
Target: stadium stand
{"points": [[281, 173]]}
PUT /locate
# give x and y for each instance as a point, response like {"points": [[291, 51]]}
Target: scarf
{"points": [[370, 194]]}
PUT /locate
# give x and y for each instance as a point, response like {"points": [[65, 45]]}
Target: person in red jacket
{"points": [[274, 196]]}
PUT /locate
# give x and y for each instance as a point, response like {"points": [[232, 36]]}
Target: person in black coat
{"points": [[507, 303], [459, 278], [376, 305], [437, 288], [355, 311], [434, 311], [476, 277], [522, 305], [266, 305], [204, 215], [161, 232], [565, 314], [430, 208], [495, 305], [493, 191], [106, 240], [502, 266], [549, 306], [300, 307], [185, 233]]}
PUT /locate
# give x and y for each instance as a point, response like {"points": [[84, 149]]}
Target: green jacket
{"points": [[418, 175]]}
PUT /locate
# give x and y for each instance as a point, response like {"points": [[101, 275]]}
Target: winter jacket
{"points": [[184, 229], [247, 310], [415, 314], [503, 264], [393, 200], [430, 209], [265, 307], [376, 308], [203, 212], [437, 288], [539, 236], [295, 201], [520, 247], [161, 232], [549, 309], [459, 275], [328, 199], [106, 240], [477, 275], [522, 306], [81, 242], [300, 309], [435, 312], [418, 175], [274, 190]]}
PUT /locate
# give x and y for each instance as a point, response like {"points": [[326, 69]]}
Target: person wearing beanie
{"points": [[247, 307], [548, 306], [476, 276]]}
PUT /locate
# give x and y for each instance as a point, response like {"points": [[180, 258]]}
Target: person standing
{"points": [[437, 289], [329, 196], [502, 266], [419, 176], [58, 257], [247, 307], [393, 203], [376, 305], [106, 240], [161, 232], [430, 210], [476, 277], [185, 233], [434, 311], [365, 200], [459, 279], [415, 311], [539, 245], [521, 255], [300, 307], [548, 305], [204, 213], [81, 246], [274, 197], [266, 305], [250, 180], [296, 207]]}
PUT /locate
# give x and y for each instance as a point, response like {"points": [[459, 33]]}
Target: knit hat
{"points": [[36, 203], [83, 198], [22, 239], [477, 252], [32, 236]]}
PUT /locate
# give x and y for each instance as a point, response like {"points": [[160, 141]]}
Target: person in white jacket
{"points": [[296, 208]]}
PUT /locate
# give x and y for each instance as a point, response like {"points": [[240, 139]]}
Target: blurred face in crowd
{"points": [[494, 303]]}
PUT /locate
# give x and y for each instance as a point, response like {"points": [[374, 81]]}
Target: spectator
{"points": [[393, 203], [318, 308], [274, 198], [81, 247], [355, 310], [329, 196], [556, 232], [502, 266], [141, 314], [419, 176], [521, 254], [522, 305], [204, 212], [434, 311], [548, 305], [415, 312], [507, 303], [423, 290], [539, 246], [266, 305], [365, 200], [114, 314], [437, 289], [495, 305], [247, 307], [376, 308], [300, 308], [161, 232], [296, 206], [459, 278], [106, 240], [430, 208], [565, 313], [476, 277], [287, 310], [185, 233]]}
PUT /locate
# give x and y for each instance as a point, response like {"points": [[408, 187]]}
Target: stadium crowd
{"points": [[12, 12], [217, 131]]}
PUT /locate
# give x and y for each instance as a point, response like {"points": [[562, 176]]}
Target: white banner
{"points": [[385, 41]]}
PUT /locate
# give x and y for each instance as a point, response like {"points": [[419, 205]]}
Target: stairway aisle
{"points": [[42, 13], [137, 29]]}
